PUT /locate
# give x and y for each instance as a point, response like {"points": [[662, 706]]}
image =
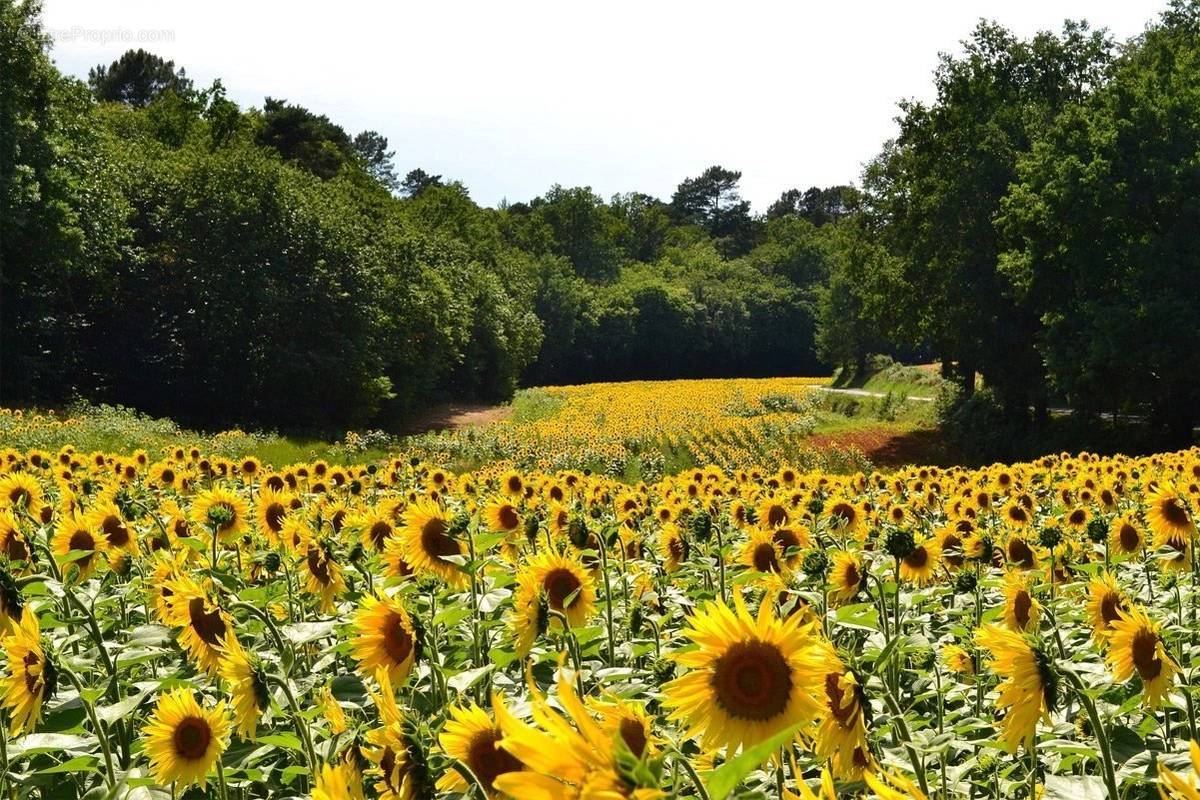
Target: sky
{"points": [[513, 97]]}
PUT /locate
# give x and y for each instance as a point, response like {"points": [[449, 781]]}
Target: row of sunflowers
{"points": [[179, 624]]}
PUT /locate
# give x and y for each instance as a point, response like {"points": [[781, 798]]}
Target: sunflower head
{"points": [[184, 740]]}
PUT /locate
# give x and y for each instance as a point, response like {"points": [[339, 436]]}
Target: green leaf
{"points": [[463, 681], [723, 780], [1074, 787], [74, 765], [305, 632], [282, 739], [50, 743]]}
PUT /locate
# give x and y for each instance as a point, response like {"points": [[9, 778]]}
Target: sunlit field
{"points": [[178, 621]]}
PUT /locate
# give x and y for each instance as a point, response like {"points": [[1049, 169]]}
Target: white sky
{"points": [[512, 97]]}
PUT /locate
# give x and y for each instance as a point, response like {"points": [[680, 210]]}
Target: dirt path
{"points": [[456, 416]]}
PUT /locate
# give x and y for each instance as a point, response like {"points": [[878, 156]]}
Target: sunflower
{"points": [[1173, 786], [565, 760], [77, 544], [921, 564], [20, 490], [672, 546], [428, 542], [761, 553], [1028, 689], [398, 757], [748, 678], [1021, 610], [106, 518], [1105, 603], [332, 710], [1135, 647], [1020, 553], [340, 782], [1124, 537], [512, 484], [791, 541], [376, 529], [845, 515], [628, 720], [271, 511], [322, 577], [1168, 517], [958, 660], [203, 623], [470, 736], [502, 516], [223, 509], [247, 683], [13, 544], [386, 639], [32, 678], [846, 577], [893, 786], [841, 733], [550, 582], [184, 740]]}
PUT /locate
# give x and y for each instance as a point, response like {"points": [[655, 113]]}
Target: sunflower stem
{"points": [[1033, 765], [298, 721], [608, 601], [906, 736], [224, 789], [1089, 706], [701, 792], [101, 731], [720, 559], [270, 625]]}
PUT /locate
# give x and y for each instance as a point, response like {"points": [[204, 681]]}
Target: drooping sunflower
{"points": [[550, 582], [247, 684], [32, 677], [628, 720], [1168, 516], [184, 740], [749, 678], [471, 737], [428, 542], [841, 732], [386, 639], [1021, 610], [1106, 601], [1029, 686], [564, 756], [223, 509], [846, 577], [322, 576], [77, 544], [202, 622], [1135, 647], [332, 710], [1125, 538], [672, 546]]}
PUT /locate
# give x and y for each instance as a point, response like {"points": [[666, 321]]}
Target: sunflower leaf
{"points": [[722, 781]]}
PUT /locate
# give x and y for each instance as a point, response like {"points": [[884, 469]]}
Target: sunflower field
{"points": [[192, 625]]}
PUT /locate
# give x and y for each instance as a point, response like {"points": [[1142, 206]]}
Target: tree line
{"points": [[1032, 227]]}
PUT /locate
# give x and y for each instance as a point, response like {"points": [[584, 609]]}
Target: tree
{"points": [[1103, 216], [137, 78], [372, 149], [712, 202], [308, 140], [818, 206], [939, 188], [418, 180]]}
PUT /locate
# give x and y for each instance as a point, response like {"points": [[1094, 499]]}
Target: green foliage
{"points": [[138, 78]]}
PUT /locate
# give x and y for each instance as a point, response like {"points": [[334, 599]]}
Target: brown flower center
{"points": [[634, 734], [435, 540], [561, 583], [1022, 604], [487, 760], [752, 681], [842, 711], [274, 516], [191, 738], [765, 558], [115, 531], [208, 625], [1020, 553], [1144, 650], [397, 639]]}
